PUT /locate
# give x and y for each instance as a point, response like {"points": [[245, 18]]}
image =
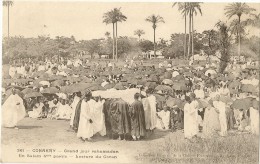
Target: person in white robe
{"points": [[12, 71], [86, 128], [13, 110], [37, 110], [163, 120], [152, 104], [98, 116], [190, 119], [254, 120], [221, 108], [63, 110], [199, 92], [74, 105]]}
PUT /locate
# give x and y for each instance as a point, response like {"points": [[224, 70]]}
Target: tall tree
{"points": [[139, 33], [182, 7], [192, 9], [114, 16], [108, 18], [224, 42], [238, 9], [119, 18], [154, 20], [8, 4], [210, 42]]}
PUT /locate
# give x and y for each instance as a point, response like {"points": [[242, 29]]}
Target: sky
{"points": [[84, 20]]}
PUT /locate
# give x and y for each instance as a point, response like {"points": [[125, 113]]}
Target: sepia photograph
{"points": [[130, 82]]}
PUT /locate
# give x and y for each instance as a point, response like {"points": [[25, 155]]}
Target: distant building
{"points": [[150, 55]]}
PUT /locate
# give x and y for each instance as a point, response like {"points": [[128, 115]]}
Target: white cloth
{"points": [[13, 110], [221, 107], [190, 119], [199, 94], [63, 111], [175, 73]]}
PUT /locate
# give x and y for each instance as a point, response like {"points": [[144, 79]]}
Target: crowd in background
{"points": [[129, 101]]}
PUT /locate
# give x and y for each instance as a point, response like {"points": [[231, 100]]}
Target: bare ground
{"points": [[160, 147]]}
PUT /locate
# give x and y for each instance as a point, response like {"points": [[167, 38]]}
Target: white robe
{"points": [[221, 107], [254, 116], [85, 129], [152, 103], [165, 120], [190, 120], [36, 111], [13, 110], [73, 106], [12, 71], [63, 111], [98, 117]]}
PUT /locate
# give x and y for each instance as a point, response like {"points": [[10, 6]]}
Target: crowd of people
{"points": [[132, 100]]}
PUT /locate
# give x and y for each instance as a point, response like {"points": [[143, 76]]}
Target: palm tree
{"points": [[139, 33], [154, 20], [182, 8], [119, 18], [238, 9], [114, 16], [8, 3], [109, 18], [192, 9]]}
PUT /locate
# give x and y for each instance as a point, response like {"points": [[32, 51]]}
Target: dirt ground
{"points": [[55, 134], [51, 134]]}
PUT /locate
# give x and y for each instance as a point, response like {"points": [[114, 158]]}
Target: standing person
{"points": [[13, 110], [254, 118], [137, 118], [73, 106], [221, 108], [190, 119], [152, 107], [85, 128]]}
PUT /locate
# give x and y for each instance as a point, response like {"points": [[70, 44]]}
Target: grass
{"points": [[237, 149]]}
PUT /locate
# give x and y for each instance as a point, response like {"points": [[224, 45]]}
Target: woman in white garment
{"points": [[13, 110], [86, 128]]}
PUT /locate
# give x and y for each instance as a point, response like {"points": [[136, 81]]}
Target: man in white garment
{"points": [[190, 119], [152, 104], [221, 108], [13, 110], [86, 128], [74, 104]]}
